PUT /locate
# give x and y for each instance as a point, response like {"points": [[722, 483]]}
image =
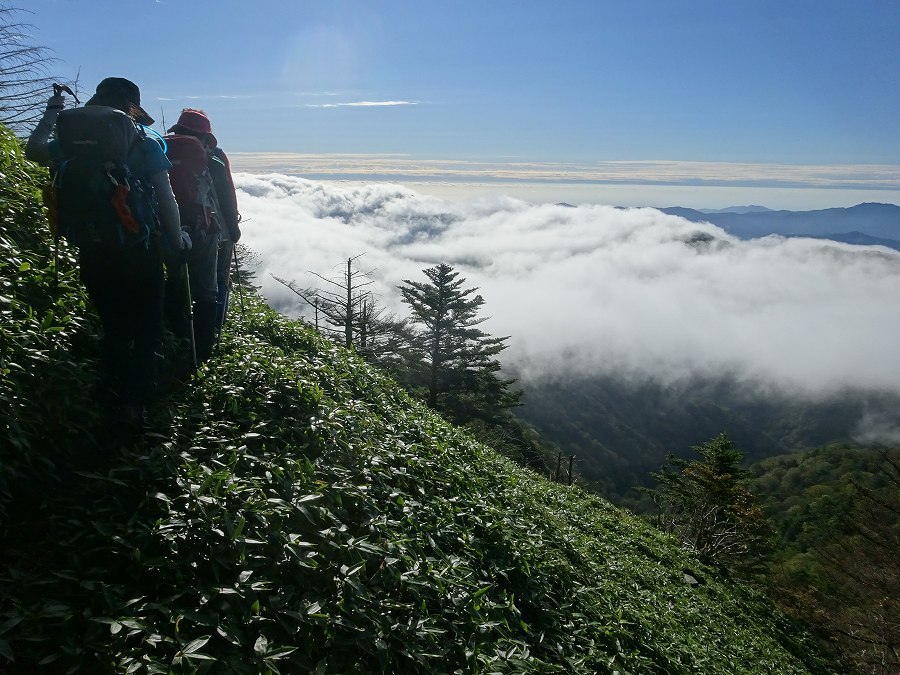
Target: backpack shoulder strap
{"points": [[158, 137]]}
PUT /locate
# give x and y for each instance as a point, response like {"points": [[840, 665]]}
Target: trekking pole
{"points": [[237, 269], [56, 266], [226, 299], [58, 90], [220, 327], [190, 304]]}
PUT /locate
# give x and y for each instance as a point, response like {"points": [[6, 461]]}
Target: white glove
{"points": [[185, 242]]}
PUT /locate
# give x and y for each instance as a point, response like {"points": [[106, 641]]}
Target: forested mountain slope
{"points": [[838, 562], [620, 431], [293, 510]]}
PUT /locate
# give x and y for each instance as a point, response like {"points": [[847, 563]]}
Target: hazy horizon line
{"points": [[632, 184], [337, 166]]}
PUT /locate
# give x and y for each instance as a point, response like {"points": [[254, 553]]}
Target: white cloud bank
{"points": [[601, 289]]}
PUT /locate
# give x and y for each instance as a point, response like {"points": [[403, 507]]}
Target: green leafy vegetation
{"points": [[295, 510], [47, 334], [838, 566]]}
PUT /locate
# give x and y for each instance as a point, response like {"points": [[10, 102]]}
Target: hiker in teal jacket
{"points": [[124, 284]]}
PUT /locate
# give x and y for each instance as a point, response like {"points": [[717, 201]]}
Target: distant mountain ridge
{"points": [[860, 224], [750, 208]]}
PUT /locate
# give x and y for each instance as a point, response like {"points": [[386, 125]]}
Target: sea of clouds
{"points": [[599, 289]]}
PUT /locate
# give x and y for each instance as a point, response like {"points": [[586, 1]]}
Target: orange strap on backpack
{"points": [[119, 203]]}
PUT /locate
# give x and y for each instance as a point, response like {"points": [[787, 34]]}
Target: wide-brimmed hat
{"points": [[196, 123], [118, 92]]}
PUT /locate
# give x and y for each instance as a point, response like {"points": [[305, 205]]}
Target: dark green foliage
{"points": [[838, 566], [298, 511], [295, 511], [516, 440], [452, 364], [459, 370], [799, 490], [46, 334]]}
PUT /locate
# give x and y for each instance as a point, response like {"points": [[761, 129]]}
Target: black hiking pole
{"points": [[56, 266], [190, 304], [58, 90], [237, 270], [220, 327]]}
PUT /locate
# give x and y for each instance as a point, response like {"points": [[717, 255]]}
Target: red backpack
{"points": [[192, 183]]}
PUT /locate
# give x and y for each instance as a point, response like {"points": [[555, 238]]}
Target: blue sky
{"points": [[567, 84]]}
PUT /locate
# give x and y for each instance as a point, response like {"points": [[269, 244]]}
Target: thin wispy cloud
{"points": [[360, 104], [232, 96], [227, 97], [313, 94]]}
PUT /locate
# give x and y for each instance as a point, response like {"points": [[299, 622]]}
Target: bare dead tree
{"points": [[343, 306], [308, 295], [341, 301], [350, 312], [25, 79]]}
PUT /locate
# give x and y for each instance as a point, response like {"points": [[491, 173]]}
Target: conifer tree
{"points": [[459, 370], [707, 503]]}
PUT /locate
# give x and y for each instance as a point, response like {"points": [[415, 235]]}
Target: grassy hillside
{"points": [[293, 511]]}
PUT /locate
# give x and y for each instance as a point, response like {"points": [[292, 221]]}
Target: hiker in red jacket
{"points": [[214, 228]]}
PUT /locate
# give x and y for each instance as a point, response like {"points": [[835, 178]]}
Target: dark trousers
{"points": [[126, 287], [197, 284]]}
